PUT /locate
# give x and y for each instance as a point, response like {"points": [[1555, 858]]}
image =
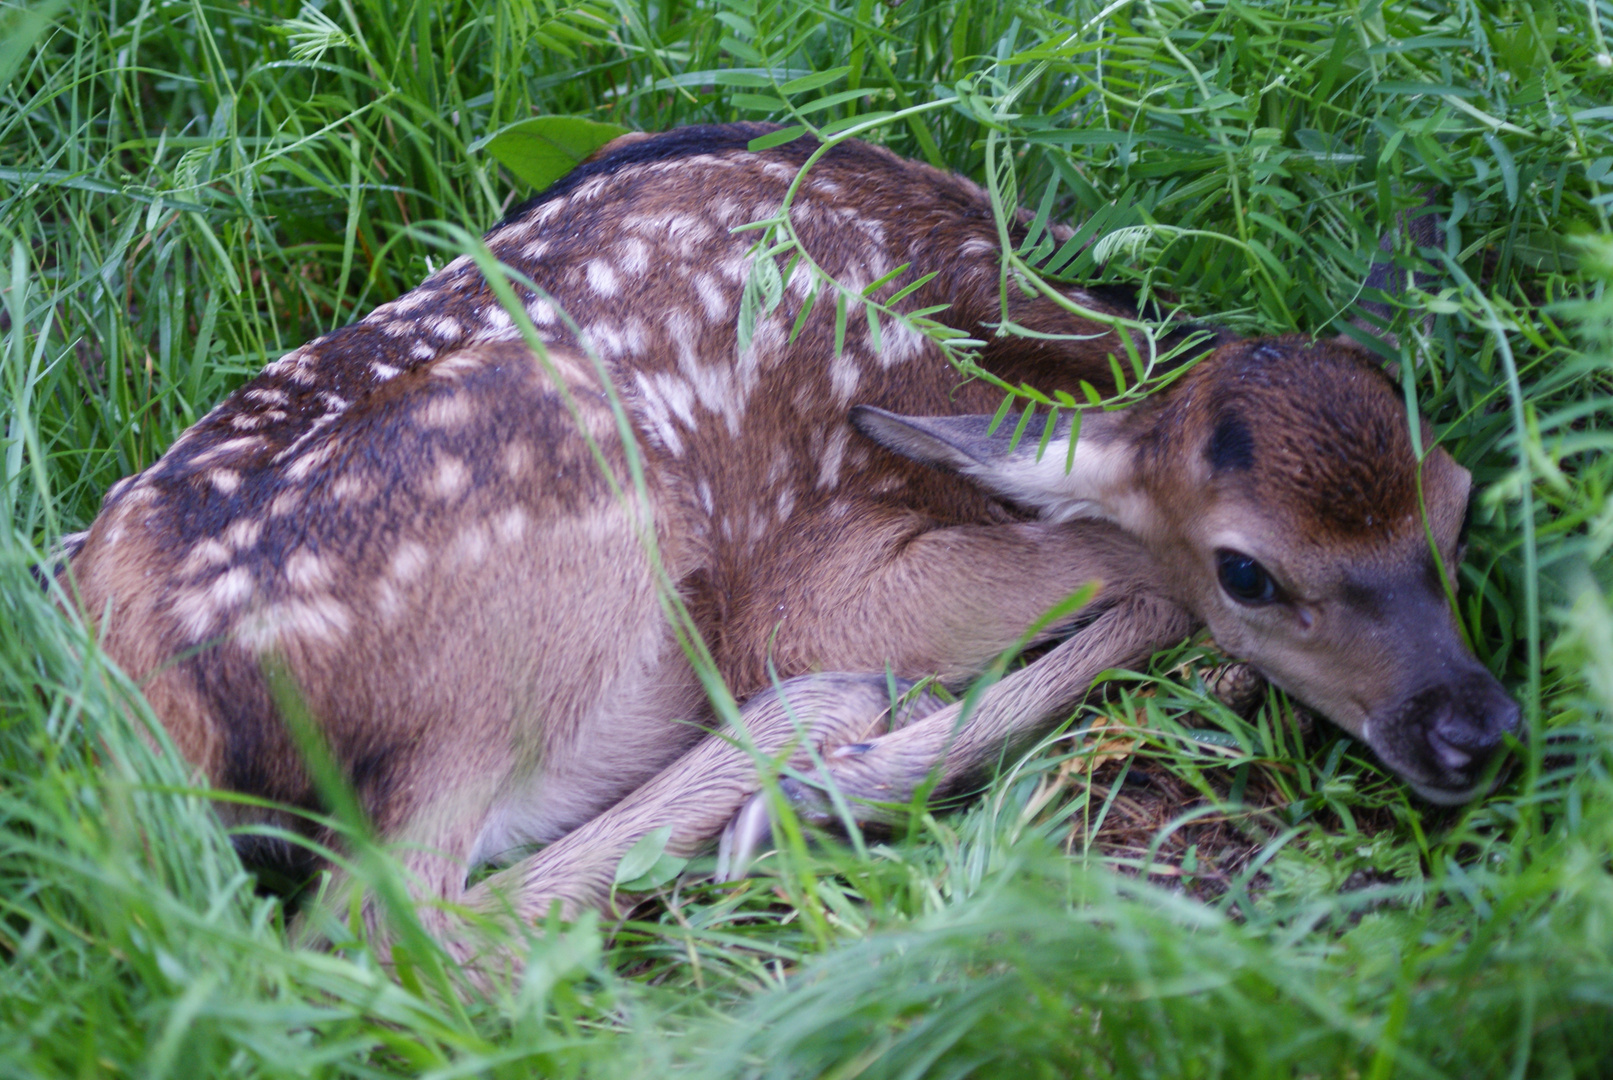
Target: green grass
{"points": [[189, 189]]}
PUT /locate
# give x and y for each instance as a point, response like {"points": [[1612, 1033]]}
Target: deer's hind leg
{"points": [[694, 796]]}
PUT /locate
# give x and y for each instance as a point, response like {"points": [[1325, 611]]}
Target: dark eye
{"points": [[1245, 580]]}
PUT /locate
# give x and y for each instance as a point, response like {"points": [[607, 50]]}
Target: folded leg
{"points": [[696, 795], [962, 741]]}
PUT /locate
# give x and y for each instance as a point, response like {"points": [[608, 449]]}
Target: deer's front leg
{"points": [[952, 745], [695, 795]]}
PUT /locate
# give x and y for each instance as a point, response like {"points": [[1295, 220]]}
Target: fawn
{"points": [[440, 533]]}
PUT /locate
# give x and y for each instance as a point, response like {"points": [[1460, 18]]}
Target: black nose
{"points": [[1464, 723]]}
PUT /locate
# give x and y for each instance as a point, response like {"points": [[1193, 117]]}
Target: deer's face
{"points": [[1278, 484], [1309, 537], [1360, 630]]}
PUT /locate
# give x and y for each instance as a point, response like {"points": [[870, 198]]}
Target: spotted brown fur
{"points": [[435, 534]]}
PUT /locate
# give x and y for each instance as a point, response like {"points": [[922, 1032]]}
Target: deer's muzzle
{"points": [[1445, 736]]}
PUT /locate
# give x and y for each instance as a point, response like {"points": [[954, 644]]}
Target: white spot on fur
{"points": [[451, 478], [205, 556], [703, 490], [516, 456], [602, 278], [313, 459], [195, 613], [383, 371], [786, 503], [829, 465], [666, 399], [225, 480], [446, 411], [779, 171], [230, 589], [445, 328], [900, 343], [317, 620], [456, 364], [306, 571], [589, 191], [421, 351], [634, 336], [541, 312], [976, 247], [605, 340], [779, 467], [683, 230], [351, 487], [544, 214], [302, 440], [844, 375], [510, 526], [635, 258], [408, 562], [875, 231], [737, 267], [470, 546], [801, 283], [403, 304], [713, 296], [388, 601], [497, 320], [229, 448], [286, 502], [268, 395], [243, 534]]}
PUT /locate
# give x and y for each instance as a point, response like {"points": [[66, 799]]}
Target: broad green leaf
{"points": [[775, 138], [643, 855], [664, 870], [542, 150], [758, 102]]}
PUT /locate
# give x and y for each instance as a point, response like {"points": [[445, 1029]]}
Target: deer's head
{"points": [[1277, 483]]}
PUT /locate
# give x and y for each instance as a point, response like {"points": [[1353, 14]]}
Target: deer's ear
{"points": [[958, 443], [961, 444]]}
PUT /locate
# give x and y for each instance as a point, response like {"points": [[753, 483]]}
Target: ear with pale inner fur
{"points": [[958, 443], [961, 444]]}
